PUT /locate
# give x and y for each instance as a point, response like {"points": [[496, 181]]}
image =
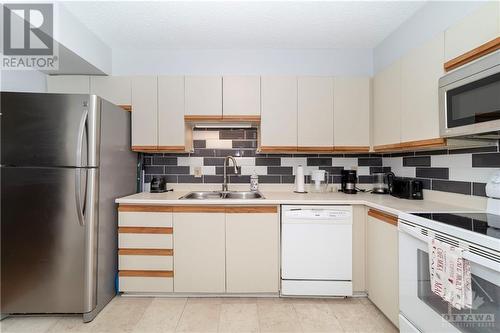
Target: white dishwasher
{"points": [[316, 250]]}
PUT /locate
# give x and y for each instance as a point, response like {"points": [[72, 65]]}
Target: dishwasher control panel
{"points": [[317, 213]]}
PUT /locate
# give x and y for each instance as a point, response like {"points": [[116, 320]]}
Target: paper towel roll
{"points": [[299, 180]]}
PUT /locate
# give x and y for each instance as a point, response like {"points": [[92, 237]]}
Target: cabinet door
{"points": [[252, 252], [279, 111], [420, 71], [241, 95], [171, 133], [351, 111], [315, 112], [68, 84], [199, 252], [116, 89], [479, 27], [145, 112], [203, 95], [382, 266], [387, 105]]}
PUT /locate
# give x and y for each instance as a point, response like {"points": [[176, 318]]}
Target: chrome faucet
{"points": [[226, 159]]}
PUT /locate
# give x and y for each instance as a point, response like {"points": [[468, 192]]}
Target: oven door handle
{"points": [[410, 231], [472, 257], [480, 260]]}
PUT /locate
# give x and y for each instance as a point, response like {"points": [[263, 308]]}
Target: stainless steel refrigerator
{"points": [[64, 160]]}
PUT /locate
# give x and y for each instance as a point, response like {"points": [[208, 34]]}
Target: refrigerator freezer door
{"points": [[57, 130], [42, 241]]}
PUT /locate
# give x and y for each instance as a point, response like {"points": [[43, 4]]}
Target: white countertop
{"points": [[385, 203]]}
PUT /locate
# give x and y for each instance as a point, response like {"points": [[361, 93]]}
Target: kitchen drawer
{"points": [[145, 262], [144, 241], [145, 219], [146, 284]]}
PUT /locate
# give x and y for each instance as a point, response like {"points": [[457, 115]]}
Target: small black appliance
{"points": [[348, 181], [158, 185], [406, 188]]}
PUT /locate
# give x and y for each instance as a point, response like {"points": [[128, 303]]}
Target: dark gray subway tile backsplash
{"points": [[440, 170], [421, 161], [487, 160], [440, 173], [451, 186]]}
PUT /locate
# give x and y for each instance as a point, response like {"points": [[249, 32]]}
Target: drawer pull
{"points": [[147, 273], [146, 252], [145, 230]]}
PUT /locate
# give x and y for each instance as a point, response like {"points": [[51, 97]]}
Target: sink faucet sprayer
{"points": [[226, 159]]}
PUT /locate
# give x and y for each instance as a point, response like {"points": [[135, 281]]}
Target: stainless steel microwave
{"points": [[469, 99]]}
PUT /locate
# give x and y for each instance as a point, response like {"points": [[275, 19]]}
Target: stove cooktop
{"points": [[482, 223]]}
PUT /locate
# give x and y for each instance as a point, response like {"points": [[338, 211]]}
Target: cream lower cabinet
{"points": [[252, 250], [382, 263], [199, 251], [145, 241]]}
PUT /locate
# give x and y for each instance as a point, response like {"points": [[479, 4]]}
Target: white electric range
{"points": [[423, 311]]}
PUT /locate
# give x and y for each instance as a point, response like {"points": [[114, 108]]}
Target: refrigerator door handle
{"points": [[78, 196], [81, 134], [78, 174]]}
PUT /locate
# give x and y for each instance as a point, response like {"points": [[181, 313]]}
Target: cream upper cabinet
{"points": [[145, 111], [171, 111], [241, 95], [387, 105], [479, 27], [199, 252], [116, 89], [279, 111], [68, 84], [315, 111], [351, 111], [420, 71], [383, 267], [203, 95], [252, 252]]}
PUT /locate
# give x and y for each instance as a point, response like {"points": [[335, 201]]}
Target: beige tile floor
{"points": [[151, 315]]}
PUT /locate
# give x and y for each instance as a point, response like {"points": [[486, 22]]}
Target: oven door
{"points": [[426, 311], [470, 99]]}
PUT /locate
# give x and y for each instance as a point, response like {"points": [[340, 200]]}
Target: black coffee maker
{"points": [[348, 181], [158, 185]]}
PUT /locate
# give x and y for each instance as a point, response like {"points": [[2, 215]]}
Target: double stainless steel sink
{"points": [[212, 195]]}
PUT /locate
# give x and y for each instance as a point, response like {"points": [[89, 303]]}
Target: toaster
{"points": [[406, 188]]}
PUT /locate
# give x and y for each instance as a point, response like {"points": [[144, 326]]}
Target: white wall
{"points": [[24, 81], [432, 18], [356, 62]]}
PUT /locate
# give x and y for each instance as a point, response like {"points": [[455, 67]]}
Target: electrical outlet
{"points": [[197, 172]]}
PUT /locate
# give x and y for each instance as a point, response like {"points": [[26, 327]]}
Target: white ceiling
{"points": [[243, 25]]}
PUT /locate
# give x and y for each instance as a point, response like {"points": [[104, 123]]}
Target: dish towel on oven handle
{"points": [[450, 274]]}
